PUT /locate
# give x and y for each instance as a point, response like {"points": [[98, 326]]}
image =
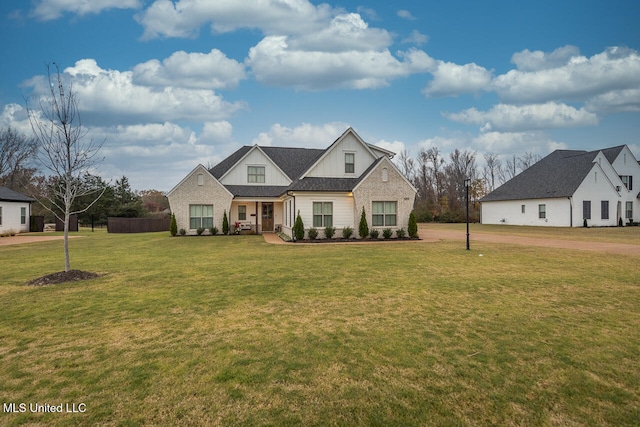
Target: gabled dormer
{"points": [[255, 168], [348, 157], [627, 167]]}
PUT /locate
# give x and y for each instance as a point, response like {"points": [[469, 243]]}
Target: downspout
{"points": [[570, 211]]}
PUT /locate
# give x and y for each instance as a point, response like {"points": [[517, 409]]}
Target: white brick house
{"points": [[263, 189]]}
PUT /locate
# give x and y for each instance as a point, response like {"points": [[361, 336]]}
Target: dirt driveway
{"points": [[28, 238], [433, 234]]}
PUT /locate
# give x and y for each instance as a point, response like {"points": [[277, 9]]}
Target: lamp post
{"points": [[467, 181]]}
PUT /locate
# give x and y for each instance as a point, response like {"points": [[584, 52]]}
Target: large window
{"points": [[542, 211], [200, 216], [604, 209], [586, 209], [349, 162], [629, 210], [384, 214], [323, 214], [255, 174]]}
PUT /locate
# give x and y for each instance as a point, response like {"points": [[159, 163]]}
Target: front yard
{"points": [[234, 331]]}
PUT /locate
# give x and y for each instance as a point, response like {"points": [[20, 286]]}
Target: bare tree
{"points": [[527, 160], [407, 165], [492, 170], [64, 151], [16, 150]]}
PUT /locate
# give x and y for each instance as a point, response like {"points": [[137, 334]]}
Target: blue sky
{"points": [[171, 84]]}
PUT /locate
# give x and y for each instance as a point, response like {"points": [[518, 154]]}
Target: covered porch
{"points": [[256, 216]]}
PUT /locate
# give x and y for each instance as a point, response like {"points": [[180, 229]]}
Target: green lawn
{"points": [[233, 331]]}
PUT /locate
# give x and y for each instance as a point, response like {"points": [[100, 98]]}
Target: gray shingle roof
{"points": [[8, 195], [256, 190], [557, 175]]}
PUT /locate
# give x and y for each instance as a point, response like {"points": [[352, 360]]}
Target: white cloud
{"points": [[211, 70], [579, 79], [625, 100], [516, 143], [416, 37], [306, 135], [47, 10], [503, 117], [164, 18], [107, 94], [539, 60], [406, 15], [394, 146], [451, 79], [273, 62]]}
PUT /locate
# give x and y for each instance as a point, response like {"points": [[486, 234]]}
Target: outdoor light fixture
{"points": [[467, 181]]}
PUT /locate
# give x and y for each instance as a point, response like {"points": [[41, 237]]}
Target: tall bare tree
{"points": [[16, 150], [65, 152], [492, 170]]}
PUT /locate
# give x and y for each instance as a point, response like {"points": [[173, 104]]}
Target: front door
{"points": [[267, 216]]}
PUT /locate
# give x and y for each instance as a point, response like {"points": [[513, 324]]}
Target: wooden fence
{"points": [[137, 225]]}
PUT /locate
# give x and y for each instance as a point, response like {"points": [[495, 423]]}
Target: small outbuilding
{"points": [[15, 210]]}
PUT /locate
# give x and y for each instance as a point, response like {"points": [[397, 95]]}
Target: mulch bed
{"points": [[63, 277]]}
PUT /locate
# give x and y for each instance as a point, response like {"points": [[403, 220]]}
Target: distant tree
{"points": [[64, 151], [127, 203], [154, 201], [492, 170], [16, 150], [363, 227]]}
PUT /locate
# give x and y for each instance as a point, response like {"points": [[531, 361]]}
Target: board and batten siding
{"points": [[332, 165], [342, 210], [239, 174]]}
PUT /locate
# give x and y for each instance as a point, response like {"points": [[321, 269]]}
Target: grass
{"points": [[233, 331]]}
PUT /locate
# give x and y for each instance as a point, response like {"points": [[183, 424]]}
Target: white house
{"points": [[567, 187], [263, 188], [15, 210]]}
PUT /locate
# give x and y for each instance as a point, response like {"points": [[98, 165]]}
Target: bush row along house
{"points": [[568, 188], [262, 188], [15, 211]]}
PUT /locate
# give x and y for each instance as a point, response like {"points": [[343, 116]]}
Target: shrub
{"points": [[173, 229], [225, 223], [374, 234], [347, 232], [363, 227], [412, 228], [401, 233], [329, 232], [200, 231], [298, 228], [620, 223], [387, 233], [313, 233], [584, 223], [183, 231], [213, 231]]}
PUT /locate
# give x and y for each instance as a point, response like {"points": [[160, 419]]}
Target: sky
{"points": [[169, 85]]}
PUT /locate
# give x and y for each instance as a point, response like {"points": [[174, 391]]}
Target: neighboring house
{"points": [[567, 187], [263, 188], [15, 210]]}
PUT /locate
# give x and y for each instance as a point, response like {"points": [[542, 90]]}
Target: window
{"points": [[323, 214], [586, 209], [385, 175], [242, 213], [23, 216], [349, 162], [542, 211], [200, 216], [522, 209], [627, 180], [629, 210], [0, 215], [384, 214], [200, 179], [255, 174], [604, 209]]}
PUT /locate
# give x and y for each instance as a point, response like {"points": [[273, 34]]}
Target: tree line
{"points": [[440, 180]]}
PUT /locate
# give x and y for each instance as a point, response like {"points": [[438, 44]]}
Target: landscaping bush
{"points": [[173, 228], [401, 233], [329, 232], [200, 230], [387, 233], [313, 233], [347, 232], [225, 223], [374, 234], [363, 227], [213, 231], [412, 228], [183, 231], [298, 228]]}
